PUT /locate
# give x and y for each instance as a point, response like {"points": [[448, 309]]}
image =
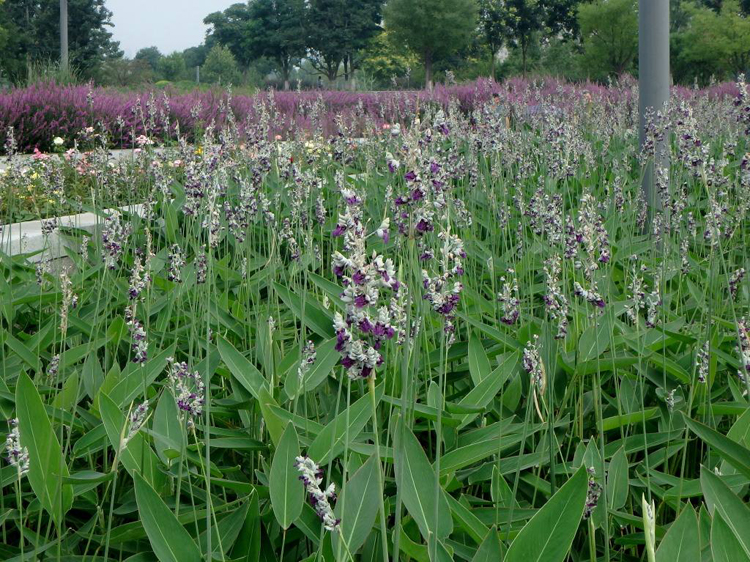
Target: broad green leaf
{"points": [[68, 395], [720, 499], [169, 540], [731, 451], [225, 532], [617, 480], [595, 340], [725, 546], [358, 505], [136, 455], [315, 316], [247, 546], [331, 440], [548, 535], [479, 365], [243, 370], [739, 432], [31, 358], [167, 431], [682, 541], [135, 377], [325, 360], [93, 375], [464, 518], [490, 549], [47, 467], [485, 391], [285, 488], [417, 483], [274, 424], [500, 491]]}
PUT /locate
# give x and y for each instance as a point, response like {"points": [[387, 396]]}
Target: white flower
{"points": [[58, 141]]}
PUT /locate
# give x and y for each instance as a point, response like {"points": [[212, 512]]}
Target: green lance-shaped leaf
{"points": [[489, 550], [47, 467], [725, 546], [358, 506], [682, 542], [734, 511], [479, 365], [548, 535], [731, 451], [286, 491], [617, 480], [169, 540], [416, 480], [245, 372]]}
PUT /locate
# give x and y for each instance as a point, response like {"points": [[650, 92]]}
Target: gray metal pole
{"points": [[64, 34], [653, 79]]}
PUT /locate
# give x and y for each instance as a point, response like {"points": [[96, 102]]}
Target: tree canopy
{"points": [[432, 28], [32, 35]]}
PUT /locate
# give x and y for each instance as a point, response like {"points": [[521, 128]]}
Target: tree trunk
{"points": [[524, 47], [285, 70], [428, 71], [492, 64]]}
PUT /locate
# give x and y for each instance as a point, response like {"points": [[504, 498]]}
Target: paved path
{"points": [[116, 154]]}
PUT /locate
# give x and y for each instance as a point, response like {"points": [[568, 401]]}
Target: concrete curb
{"points": [[28, 237]]}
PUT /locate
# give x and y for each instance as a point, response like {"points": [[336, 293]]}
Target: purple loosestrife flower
{"points": [[312, 477], [555, 299], [18, 455], [735, 280], [702, 362], [509, 301], [533, 365], [139, 279], [176, 261], [308, 358], [53, 367], [140, 340], [136, 420], [743, 347], [188, 388], [653, 300], [591, 296], [115, 235], [592, 495], [201, 267]]}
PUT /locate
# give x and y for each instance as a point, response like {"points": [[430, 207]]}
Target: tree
{"points": [[431, 28], [609, 29], [493, 28], [220, 66], [172, 67], [524, 18], [151, 55], [385, 61], [127, 72], [195, 56], [32, 35], [717, 44], [337, 31], [230, 28], [276, 29]]}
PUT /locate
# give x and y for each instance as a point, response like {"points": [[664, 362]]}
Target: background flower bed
{"points": [[41, 112]]}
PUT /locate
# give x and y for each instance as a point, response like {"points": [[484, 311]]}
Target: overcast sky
{"points": [[171, 25]]}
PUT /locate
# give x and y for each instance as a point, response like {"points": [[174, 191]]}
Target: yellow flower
{"points": [[34, 176], [199, 150]]}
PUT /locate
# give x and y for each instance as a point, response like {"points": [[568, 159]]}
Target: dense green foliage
{"points": [[31, 34], [457, 323], [378, 44]]}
